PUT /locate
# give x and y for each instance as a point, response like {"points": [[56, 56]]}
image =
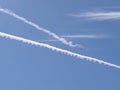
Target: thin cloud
{"points": [[83, 36], [78, 36], [63, 51], [64, 41], [49, 40], [99, 15]]}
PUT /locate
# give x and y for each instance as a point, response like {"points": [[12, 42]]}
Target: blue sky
{"points": [[27, 67]]}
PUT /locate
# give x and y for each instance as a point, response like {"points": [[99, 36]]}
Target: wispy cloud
{"points": [[64, 41], [78, 36], [49, 40], [63, 51], [84, 36], [99, 15]]}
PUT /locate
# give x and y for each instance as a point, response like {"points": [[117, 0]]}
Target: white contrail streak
{"points": [[57, 49], [102, 15], [83, 36], [64, 41]]}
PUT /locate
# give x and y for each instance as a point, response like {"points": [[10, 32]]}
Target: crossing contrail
{"points": [[61, 39], [63, 51]]}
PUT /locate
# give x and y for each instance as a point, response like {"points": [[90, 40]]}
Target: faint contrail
{"points": [[57, 49], [83, 36], [100, 15], [64, 41]]}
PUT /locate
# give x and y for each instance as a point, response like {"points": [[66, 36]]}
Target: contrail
{"points": [[64, 41], [100, 16], [57, 49], [83, 36]]}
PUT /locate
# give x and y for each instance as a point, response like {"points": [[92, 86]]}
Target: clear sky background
{"points": [[27, 67]]}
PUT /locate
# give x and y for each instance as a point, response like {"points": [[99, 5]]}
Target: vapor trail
{"points": [[83, 36], [64, 41], [100, 16], [57, 49]]}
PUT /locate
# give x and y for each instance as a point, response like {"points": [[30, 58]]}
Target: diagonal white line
{"points": [[64, 41], [57, 49]]}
